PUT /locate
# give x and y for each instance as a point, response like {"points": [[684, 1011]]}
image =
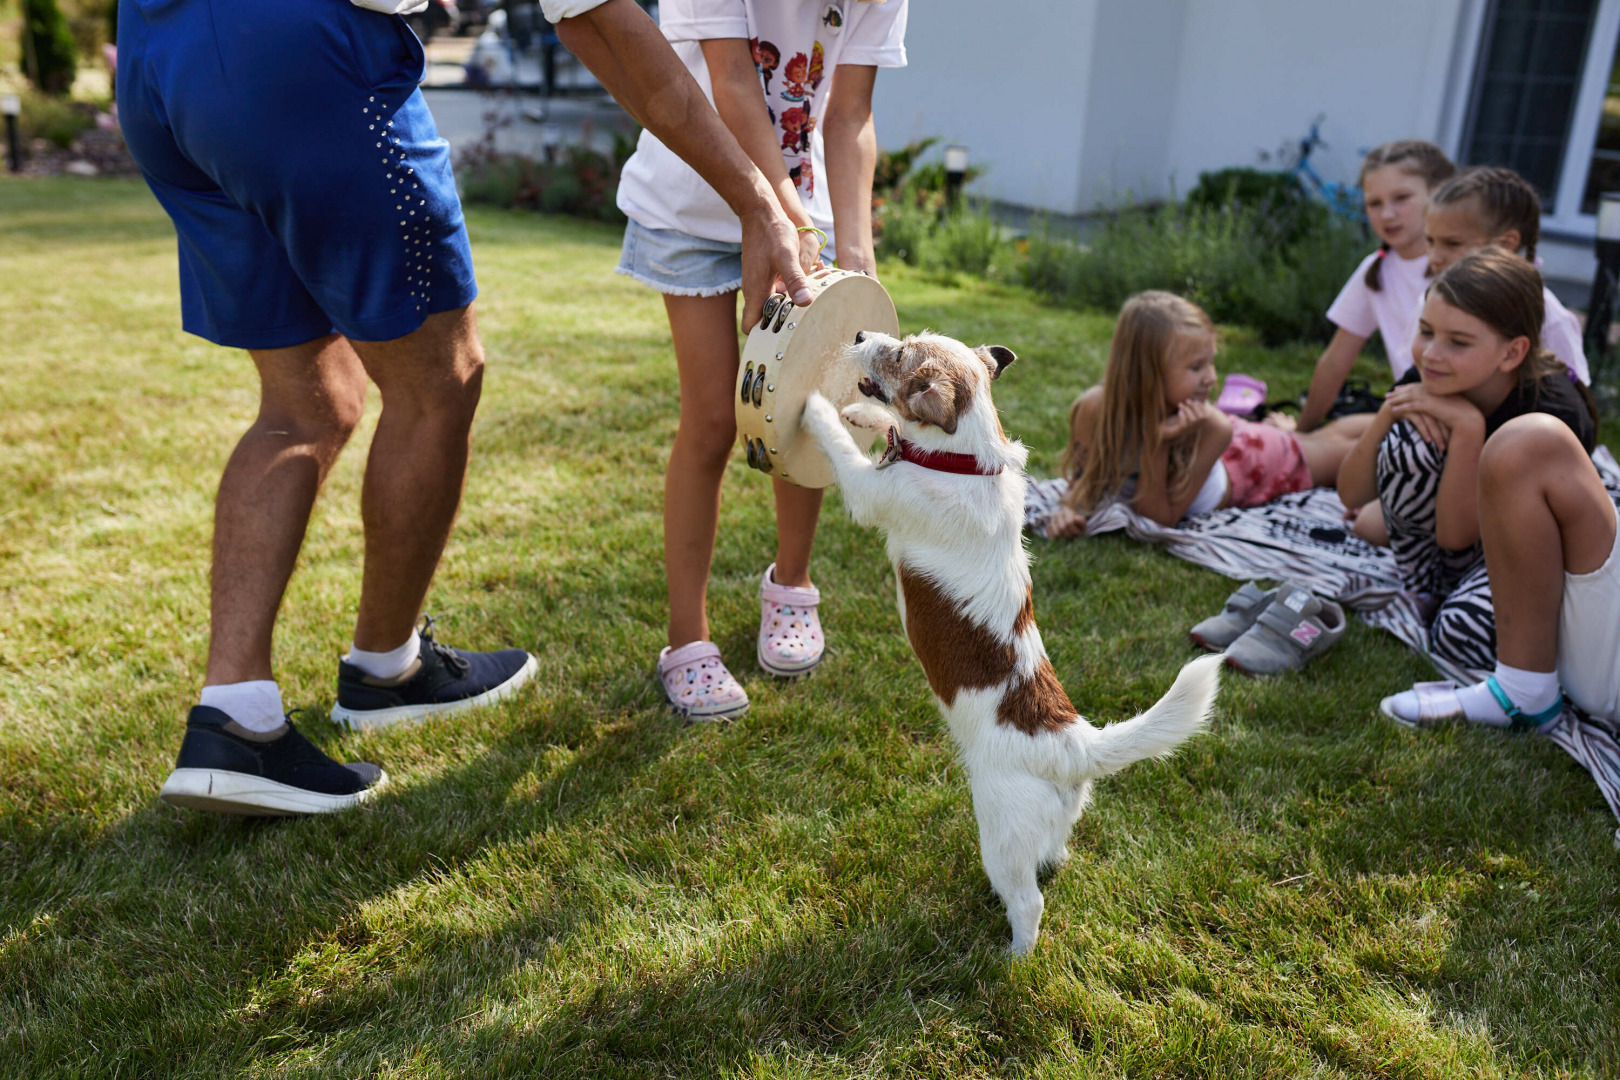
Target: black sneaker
{"points": [[226, 768], [443, 680]]}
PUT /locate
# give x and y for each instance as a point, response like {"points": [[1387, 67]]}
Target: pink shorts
{"points": [[1264, 462]]}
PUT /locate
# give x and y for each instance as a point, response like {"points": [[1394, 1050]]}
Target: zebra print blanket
{"points": [[1303, 538]]}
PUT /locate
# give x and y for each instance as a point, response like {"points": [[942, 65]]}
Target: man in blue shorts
{"points": [[319, 229]]}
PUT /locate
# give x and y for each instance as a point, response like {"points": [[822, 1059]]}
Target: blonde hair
{"points": [[1127, 429]]}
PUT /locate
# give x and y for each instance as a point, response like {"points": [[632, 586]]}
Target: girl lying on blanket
{"points": [[1479, 364], [1150, 435]]}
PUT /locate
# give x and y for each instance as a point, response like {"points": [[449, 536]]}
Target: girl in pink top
{"points": [[1386, 291]]}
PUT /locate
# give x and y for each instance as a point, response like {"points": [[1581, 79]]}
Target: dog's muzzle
{"points": [[871, 389]]}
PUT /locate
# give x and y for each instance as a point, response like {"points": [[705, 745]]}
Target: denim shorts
{"points": [[679, 264]]}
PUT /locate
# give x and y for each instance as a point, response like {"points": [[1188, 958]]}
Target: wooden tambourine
{"points": [[795, 350]]}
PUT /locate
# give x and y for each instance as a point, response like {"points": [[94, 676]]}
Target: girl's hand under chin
{"points": [[1189, 414], [1435, 416]]}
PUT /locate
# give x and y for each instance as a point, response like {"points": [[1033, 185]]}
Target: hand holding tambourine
{"points": [[794, 350]]}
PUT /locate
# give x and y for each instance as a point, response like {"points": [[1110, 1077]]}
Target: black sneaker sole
{"points": [[367, 719], [225, 792]]}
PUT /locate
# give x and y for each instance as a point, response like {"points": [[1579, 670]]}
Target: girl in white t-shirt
{"points": [[1386, 291], [1490, 206], [793, 81]]}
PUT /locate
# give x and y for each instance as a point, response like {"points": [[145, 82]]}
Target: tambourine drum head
{"points": [[812, 343]]}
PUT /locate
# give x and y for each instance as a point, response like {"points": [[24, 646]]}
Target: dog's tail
{"points": [[1182, 712]]}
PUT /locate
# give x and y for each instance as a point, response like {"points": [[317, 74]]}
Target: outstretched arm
{"points": [[1331, 371], [623, 48], [851, 143]]}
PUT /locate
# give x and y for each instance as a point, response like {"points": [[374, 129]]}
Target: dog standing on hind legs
{"points": [[949, 495]]}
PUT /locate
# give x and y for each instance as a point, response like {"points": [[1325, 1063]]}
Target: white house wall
{"points": [[1009, 80], [1074, 103], [1254, 73]]}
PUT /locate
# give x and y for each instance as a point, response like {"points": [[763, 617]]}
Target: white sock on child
{"points": [[1531, 691], [386, 665], [255, 705]]}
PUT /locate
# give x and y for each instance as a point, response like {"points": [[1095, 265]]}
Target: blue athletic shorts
{"points": [[308, 185]]}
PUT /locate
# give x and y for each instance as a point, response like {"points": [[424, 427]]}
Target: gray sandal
{"points": [[1242, 608], [1297, 626]]}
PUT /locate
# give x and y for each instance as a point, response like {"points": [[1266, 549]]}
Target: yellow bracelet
{"points": [[818, 232]]}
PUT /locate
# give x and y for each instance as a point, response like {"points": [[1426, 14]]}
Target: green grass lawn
{"points": [[575, 884]]}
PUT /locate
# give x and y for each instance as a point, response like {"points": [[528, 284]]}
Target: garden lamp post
{"points": [[956, 163], [11, 106], [1600, 308]]}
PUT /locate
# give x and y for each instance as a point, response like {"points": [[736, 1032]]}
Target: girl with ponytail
{"points": [[1386, 290]]}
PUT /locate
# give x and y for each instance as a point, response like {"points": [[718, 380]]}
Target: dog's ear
{"points": [[931, 396], [996, 358]]}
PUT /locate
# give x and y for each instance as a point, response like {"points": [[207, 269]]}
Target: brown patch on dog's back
{"points": [[956, 653], [1026, 616], [1036, 704]]}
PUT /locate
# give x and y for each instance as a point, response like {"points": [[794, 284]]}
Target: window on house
{"points": [[1525, 88], [1604, 173]]}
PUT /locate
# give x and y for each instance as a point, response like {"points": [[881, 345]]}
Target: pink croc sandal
{"points": [[790, 639], [698, 685]]}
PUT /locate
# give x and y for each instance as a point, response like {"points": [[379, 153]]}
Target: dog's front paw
{"points": [[863, 414], [821, 418]]}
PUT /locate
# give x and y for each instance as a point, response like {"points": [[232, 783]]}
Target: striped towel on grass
{"points": [[1303, 538]]}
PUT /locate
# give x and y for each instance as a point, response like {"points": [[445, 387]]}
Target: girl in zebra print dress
{"points": [[1479, 364]]}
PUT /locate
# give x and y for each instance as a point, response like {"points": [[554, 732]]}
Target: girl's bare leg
{"points": [[705, 334], [1543, 512], [1370, 525], [797, 510], [1327, 447]]}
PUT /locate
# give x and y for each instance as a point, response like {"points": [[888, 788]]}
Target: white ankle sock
{"points": [[1531, 691], [386, 665], [255, 705]]}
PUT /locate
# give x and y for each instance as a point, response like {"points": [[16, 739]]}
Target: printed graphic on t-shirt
{"points": [[801, 78], [832, 17], [766, 59]]}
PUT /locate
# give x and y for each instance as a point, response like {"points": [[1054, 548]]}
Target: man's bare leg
{"points": [[430, 382], [310, 399]]}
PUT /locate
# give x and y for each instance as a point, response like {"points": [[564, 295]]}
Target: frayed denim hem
{"points": [[678, 290]]}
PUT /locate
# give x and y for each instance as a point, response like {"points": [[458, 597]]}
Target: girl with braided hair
{"points": [[1495, 207], [1386, 290]]}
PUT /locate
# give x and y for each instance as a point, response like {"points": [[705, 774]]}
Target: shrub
{"points": [[902, 229], [1230, 258], [49, 54], [911, 222], [968, 241], [577, 180], [53, 119], [1280, 202]]}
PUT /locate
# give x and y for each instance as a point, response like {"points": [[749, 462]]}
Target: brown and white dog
{"points": [[949, 494]]}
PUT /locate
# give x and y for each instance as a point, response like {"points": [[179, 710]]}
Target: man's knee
{"points": [[1526, 450], [436, 373]]}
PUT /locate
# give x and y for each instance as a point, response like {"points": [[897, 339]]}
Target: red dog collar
{"points": [[939, 460]]}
